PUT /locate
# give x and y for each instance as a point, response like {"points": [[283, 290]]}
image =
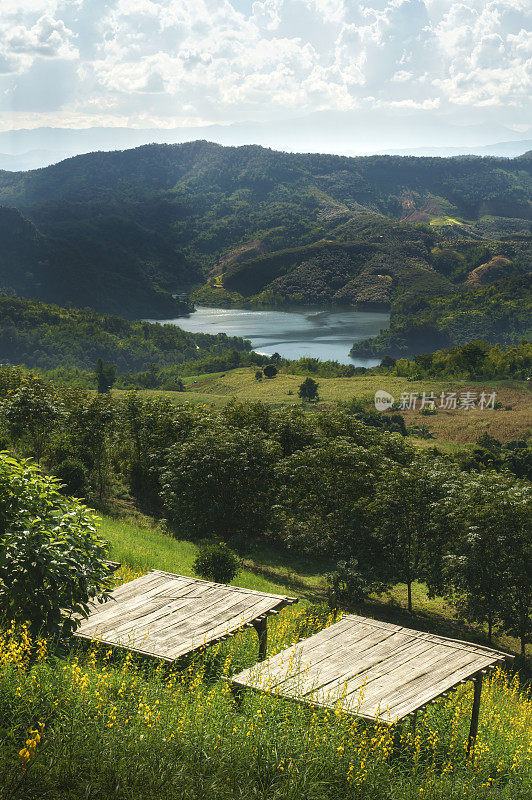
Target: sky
{"points": [[190, 63]]}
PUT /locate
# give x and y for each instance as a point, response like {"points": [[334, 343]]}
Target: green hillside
{"points": [[43, 267], [48, 337], [120, 230], [499, 312]]}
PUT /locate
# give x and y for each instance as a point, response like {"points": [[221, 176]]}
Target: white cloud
{"points": [[28, 35], [204, 59]]}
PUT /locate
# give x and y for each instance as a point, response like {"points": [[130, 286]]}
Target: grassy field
{"points": [[511, 421], [143, 547]]}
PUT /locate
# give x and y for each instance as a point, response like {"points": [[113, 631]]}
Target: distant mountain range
{"points": [[498, 150], [123, 231], [344, 133]]}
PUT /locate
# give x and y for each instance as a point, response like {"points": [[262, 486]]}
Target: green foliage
{"points": [[487, 570], [51, 561], [350, 584], [72, 474], [31, 413], [270, 371], [218, 483], [500, 312], [324, 369], [216, 562], [308, 390], [406, 504], [49, 337], [105, 376], [514, 456], [100, 262], [322, 498], [476, 359]]}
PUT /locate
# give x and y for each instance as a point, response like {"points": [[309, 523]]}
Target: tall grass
{"points": [[96, 726]]}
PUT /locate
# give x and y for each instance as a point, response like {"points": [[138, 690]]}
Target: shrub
{"points": [[216, 562], [270, 371], [308, 389], [50, 558], [351, 583], [73, 475]]}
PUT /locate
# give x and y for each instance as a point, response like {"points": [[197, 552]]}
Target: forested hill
{"points": [[46, 336], [256, 225], [50, 269]]}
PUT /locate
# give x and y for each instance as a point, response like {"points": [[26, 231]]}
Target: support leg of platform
{"points": [[261, 626]]}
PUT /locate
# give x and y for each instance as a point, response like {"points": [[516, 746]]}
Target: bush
{"points": [[350, 584], [270, 371], [72, 474], [217, 562], [308, 389], [50, 558]]}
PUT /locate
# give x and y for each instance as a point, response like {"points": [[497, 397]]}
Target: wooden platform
{"points": [[370, 669], [167, 616]]}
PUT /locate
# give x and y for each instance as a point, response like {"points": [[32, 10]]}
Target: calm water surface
{"points": [[324, 334]]}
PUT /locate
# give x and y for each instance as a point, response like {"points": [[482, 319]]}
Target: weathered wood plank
{"points": [[369, 668], [443, 685], [168, 615], [426, 675], [120, 601], [337, 664], [372, 674], [194, 627], [457, 643], [149, 615], [315, 649]]}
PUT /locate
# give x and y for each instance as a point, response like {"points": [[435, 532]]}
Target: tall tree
{"points": [[323, 493], [31, 414], [219, 482], [404, 515], [105, 376], [93, 424], [488, 575]]}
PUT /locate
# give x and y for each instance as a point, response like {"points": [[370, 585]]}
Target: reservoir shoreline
{"points": [[326, 333]]}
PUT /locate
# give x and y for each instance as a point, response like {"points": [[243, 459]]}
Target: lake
{"points": [[325, 334]]}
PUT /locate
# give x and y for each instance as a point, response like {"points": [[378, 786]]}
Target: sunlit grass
{"points": [[99, 726], [141, 548], [453, 428]]}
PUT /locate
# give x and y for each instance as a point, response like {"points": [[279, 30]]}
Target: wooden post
{"points": [[238, 695], [261, 626], [474, 713]]}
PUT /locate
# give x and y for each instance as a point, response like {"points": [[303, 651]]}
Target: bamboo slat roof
{"points": [[369, 668], [167, 616]]}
